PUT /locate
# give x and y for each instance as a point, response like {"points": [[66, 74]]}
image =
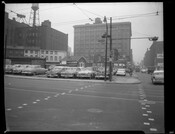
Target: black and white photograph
{"points": [[84, 67]]}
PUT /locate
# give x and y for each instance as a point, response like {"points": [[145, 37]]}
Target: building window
{"points": [[31, 51], [55, 58], [46, 57], [51, 58], [60, 57], [26, 51], [55, 52], [51, 52], [42, 52], [46, 52], [35, 52]]}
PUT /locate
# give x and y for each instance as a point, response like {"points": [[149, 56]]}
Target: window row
{"points": [[42, 52], [51, 58]]}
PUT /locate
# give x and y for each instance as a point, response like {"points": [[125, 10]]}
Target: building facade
{"points": [[155, 55], [22, 40], [89, 43]]}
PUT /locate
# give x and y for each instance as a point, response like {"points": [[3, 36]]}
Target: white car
{"points": [[33, 70], [144, 70], [158, 76], [86, 73], [121, 72], [19, 69]]}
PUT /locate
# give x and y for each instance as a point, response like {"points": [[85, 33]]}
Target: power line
{"points": [[91, 12], [83, 12], [136, 15]]}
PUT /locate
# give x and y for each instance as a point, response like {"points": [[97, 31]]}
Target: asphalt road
{"points": [[46, 105]]}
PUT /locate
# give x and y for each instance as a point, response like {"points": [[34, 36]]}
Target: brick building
{"points": [[155, 55], [21, 38]]}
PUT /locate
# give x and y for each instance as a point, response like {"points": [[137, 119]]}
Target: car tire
{"points": [[153, 80]]}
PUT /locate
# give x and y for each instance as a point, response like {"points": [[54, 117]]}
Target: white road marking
{"points": [[145, 114], [24, 104], [151, 119], [8, 109], [62, 93], [34, 102], [147, 105], [81, 88], [153, 129], [149, 111], [48, 96], [148, 102], [146, 123], [143, 108], [76, 89], [45, 98], [20, 107], [142, 97], [37, 100], [70, 91]]}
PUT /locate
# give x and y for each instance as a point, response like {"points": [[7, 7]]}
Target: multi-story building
{"points": [[88, 40], [22, 40], [155, 55]]}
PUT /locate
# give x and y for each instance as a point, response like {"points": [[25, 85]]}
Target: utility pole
{"points": [[106, 35], [110, 49]]}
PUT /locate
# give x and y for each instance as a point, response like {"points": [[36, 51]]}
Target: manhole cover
{"points": [[94, 110]]}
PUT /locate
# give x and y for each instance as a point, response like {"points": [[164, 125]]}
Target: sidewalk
{"points": [[115, 80]]}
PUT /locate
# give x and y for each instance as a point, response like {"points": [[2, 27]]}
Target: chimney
{"points": [[46, 23]]}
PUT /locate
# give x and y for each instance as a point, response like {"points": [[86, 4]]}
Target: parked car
{"points": [[100, 74], [55, 72], [15, 66], [121, 72], [33, 70], [19, 69], [144, 70], [86, 73], [157, 76], [70, 72], [8, 69]]}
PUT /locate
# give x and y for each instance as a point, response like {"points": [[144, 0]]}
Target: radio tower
{"points": [[34, 15]]}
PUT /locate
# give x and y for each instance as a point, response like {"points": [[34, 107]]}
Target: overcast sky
{"points": [[63, 16]]}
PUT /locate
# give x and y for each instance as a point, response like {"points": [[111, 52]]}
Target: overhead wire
{"points": [[113, 17], [83, 12]]}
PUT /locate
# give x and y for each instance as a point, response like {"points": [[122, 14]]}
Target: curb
{"points": [[74, 80]]}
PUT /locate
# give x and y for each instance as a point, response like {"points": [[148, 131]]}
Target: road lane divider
{"points": [[146, 123], [8, 109]]}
